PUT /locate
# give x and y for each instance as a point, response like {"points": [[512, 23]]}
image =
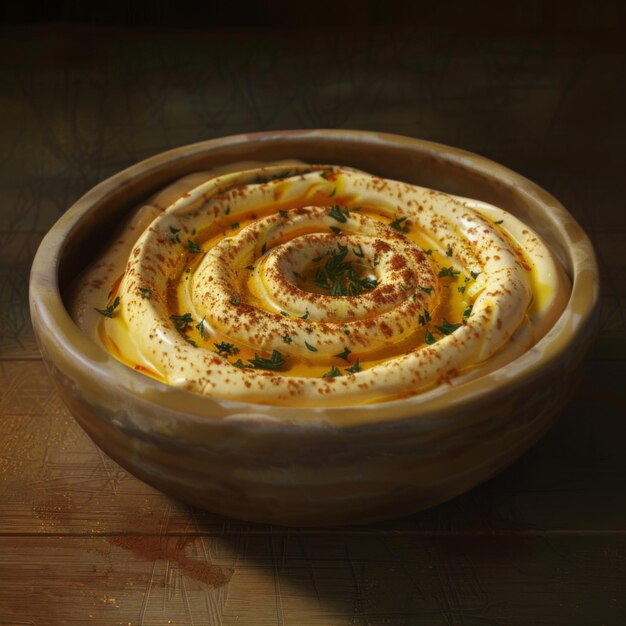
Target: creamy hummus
{"points": [[318, 286]]}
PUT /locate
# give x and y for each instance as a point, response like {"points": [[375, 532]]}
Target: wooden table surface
{"points": [[84, 542]]}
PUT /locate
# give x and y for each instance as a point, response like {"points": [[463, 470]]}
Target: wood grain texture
{"points": [[309, 579], [82, 541]]}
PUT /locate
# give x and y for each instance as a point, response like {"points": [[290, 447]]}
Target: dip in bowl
{"points": [[279, 302]]}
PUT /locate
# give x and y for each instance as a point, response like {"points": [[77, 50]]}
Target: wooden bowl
{"points": [[314, 466]]}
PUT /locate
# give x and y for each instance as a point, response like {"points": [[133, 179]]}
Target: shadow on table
{"points": [[505, 552]]}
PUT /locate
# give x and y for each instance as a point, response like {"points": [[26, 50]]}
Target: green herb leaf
{"points": [[310, 347], [337, 289], [354, 368], [284, 313], [461, 289], [174, 234], [344, 355], [234, 226], [400, 225], [305, 316], [236, 301], [200, 327], [448, 271], [226, 349], [446, 328], [108, 312], [335, 213], [239, 363], [474, 275], [427, 251], [287, 338], [283, 213], [193, 247], [249, 267], [332, 373], [468, 311], [145, 292], [273, 363], [181, 321], [336, 231], [427, 289], [429, 338], [449, 250], [499, 222]]}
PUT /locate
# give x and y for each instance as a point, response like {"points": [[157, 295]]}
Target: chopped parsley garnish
{"points": [[108, 312], [358, 252], [424, 319], [200, 327], [467, 311], [284, 313], [429, 338], [499, 222], [427, 251], [354, 368], [346, 331], [193, 247], [339, 278], [449, 250], [325, 174], [446, 328], [461, 289], [145, 292], [273, 363], [474, 275], [181, 321], [305, 316], [321, 279], [310, 347], [282, 213], [175, 234], [236, 301], [332, 373], [249, 267], [344, 355], [234, 226], [448, 271], [264, 248], [241, 364], [400, 225], [337, 214], [336, 231], [427, 289], [226, 349], [287, 338]]}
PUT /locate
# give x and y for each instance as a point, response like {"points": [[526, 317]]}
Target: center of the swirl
{"points": [[339, 271]]}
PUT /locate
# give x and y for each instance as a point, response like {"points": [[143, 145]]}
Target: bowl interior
{"points": [[413, 161]]}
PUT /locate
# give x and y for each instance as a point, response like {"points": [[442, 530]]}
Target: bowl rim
{"points": [[52, 321]]}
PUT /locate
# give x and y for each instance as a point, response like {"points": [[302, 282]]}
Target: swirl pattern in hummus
{"points": [[322, 285]]}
